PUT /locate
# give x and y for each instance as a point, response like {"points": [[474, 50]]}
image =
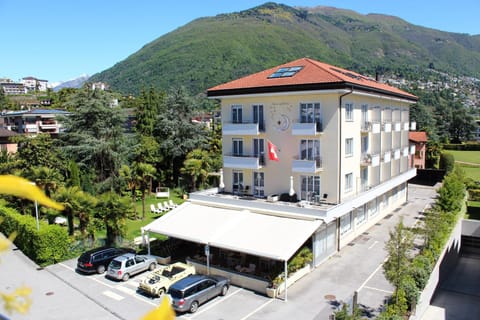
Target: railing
{"points": [[309, 165], [307, 128]]}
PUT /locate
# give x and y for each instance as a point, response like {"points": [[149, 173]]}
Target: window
{"points": [[237, 147], [237, 185], [348, 182], [349, 147], [237, 114], [349, 111], [364, 145], [310, 113], [361, 214], [258, 184], [285, 72], [258, 116], [259, 150], [310, 150], [346, 223], [310, 187]]}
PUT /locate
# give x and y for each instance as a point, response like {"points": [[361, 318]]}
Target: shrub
{"points": [[447, 162], [48, 245]]}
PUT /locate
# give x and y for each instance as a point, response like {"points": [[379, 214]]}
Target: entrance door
{"points": [[258, 184]]}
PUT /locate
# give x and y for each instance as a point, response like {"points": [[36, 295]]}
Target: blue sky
{"points": [[58, 40]]}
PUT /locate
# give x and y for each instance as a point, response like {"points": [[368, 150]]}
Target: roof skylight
{"points": [[285, 72]]}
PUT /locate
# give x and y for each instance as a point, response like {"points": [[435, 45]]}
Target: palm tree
{"points": [[70, 198], [113, 211], [45, 178], [144, 173], [132, 183], [197, 165], [86, 208]]}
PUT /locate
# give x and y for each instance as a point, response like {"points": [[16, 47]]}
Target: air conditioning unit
{"points": [[272, 198]]}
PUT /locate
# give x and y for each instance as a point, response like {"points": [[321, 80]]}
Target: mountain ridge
{"points": [[211, 50]]}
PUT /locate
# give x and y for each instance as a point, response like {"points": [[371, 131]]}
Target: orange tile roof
{"points": [[314, 75], [417, 136]]}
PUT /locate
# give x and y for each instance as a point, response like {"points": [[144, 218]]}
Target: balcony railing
{"points": [[243, 128], [307, 128], [311, 165], [243, 161], [370, 159]]}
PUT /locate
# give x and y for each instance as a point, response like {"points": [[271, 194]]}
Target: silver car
{"points": [[129, 264], [190, 292]]}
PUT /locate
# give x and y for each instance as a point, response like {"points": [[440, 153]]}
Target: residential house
{"points": [[12, 88], [33, 84], [33, 121], [313, 155], [419, 139], [5, 142]]}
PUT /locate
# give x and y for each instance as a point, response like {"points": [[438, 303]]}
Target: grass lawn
{"points": [[465, 156], [133, 226], [473, 210]]}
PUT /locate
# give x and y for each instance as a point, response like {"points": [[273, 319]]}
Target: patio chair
{"points": [[161, 208], [172, 204], [153, 209], [166, 205]]}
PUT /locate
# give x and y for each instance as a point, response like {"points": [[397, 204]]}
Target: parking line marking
{"points": [[65, 266], [258, 309], [373, 244], [113, 295], [371, 275], [216, 302], [377, 289], [126, 290]]}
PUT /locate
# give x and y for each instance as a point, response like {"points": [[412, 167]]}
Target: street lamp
{"points": [[36, 210]]}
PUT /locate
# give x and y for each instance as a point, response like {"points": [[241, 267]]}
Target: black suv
{"points": [[97, 260]]}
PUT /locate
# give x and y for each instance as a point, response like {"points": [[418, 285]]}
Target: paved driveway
{"points": [[357, 267]]}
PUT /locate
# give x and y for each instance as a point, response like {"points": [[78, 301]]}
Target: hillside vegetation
{"points": [[212, 50]]}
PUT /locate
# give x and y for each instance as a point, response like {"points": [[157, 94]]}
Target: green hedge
{"points": [[462, 146], [46, 246]]}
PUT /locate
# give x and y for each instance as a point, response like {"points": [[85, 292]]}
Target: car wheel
{"points": [[194, 307], [152, 266], [160, 292], [100, 269], [125, 277], [224, 290]]}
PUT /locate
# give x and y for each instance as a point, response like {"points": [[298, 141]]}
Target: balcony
{"points": [[306, 129], [397, 126], [412, 149], [387, 157], [406, 126], [375, 126], [396, 154], [405, 152], [307, 165], [243, 128], [243, 161], [30, 128], [369, 159], [413, 126], [387, 126]]}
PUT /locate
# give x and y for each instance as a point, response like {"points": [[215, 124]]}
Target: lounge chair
{"points": [[172, 204], [166, 205], [153, 209], [161, 208]]}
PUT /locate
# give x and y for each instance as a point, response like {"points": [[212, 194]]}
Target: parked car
{"points": [[158, 281], [97, 260], [129, 264], [190, 292]]}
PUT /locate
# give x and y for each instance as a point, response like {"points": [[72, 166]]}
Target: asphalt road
{"points": [[61, 293]]}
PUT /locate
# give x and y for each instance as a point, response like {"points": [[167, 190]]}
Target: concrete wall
{"points": [[471, 228], [445, 264]]}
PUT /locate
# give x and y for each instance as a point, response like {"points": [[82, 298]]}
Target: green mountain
{"points": [[213, 50]]}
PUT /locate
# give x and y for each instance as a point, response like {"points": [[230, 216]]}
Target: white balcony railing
{"points": [[243, 128], [243, 161], [307, 166], [306, 129]]}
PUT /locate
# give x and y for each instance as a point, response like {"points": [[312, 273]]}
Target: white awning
{"points": [[243, 231]]}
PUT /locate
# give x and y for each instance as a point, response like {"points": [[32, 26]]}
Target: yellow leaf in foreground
{"points": [[23, 188], [163, 312]]}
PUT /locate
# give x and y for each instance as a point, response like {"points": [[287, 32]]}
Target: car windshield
{"points": [[177, 294], [115, 264]]}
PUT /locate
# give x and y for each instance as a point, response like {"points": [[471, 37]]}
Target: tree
{"points": [[147, 109], [197, 166], [132, 183], [144, 173], [86, 208], [38, 151], [176, 134], [462, 125], [94, 134], [113, 211], [398, 248], [69, 198], [48, 179]]}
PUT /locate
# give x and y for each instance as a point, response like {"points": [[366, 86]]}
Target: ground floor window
{"points": [[361, 214], [346, 223], [310, 187], [373, 207], [258, 184]]}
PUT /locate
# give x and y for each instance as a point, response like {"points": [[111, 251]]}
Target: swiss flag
{"points": [[272, 151]]}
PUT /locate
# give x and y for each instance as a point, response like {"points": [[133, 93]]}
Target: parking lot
{"points": [[124, 300], [59, 292]]}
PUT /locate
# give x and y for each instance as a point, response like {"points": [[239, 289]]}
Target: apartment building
{"points": [[312, 153], [33, 121], [33, 84]]}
